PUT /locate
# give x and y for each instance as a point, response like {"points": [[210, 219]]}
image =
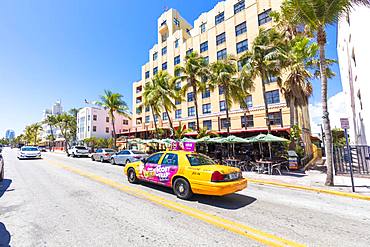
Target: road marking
{"points": [[300, 187], [235, 227]]}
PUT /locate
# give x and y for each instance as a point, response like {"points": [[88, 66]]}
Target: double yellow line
{"points": [[235, 227]]}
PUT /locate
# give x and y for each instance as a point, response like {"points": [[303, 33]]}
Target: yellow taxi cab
{"points": [[187, 173]]}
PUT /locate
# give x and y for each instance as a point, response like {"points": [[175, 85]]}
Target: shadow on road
{"points": [[4, 185], [4, 236], [233, 201]]}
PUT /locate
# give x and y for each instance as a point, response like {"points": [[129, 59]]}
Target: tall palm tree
{"points": [[68, 126], [51, 121], [180, 132], [150, 99], [317, 14], [194, 72], [224, 73], [264, 60], [164, 87], [36, 128], [114, 103]]}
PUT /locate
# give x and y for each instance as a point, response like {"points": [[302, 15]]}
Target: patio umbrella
{"points": [[233, 139], [269, 138], [186, 139]]}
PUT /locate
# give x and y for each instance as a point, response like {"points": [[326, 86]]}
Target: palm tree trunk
{"points": [[227, 112], [169, 118], [196, 106], [266, 105], [321, 40], [245, 119], [52, 135], [113, 131], [291, 109], [296, 118], [155, 122]]}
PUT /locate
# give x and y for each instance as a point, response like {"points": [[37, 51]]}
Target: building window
{"points": [[155, 70], [125, 122], [176, 60], [147, 74], [204, 47], [206, 60], [178, 113], [202, 27], [94, 128], [242, 46], [249, 121], [240, 29], [222, 105], [221, 38], [88, 118], [156, 118], [206, 108], [177, 102], [273, 97], [147, 119], [269, 79], [138, 120], [176, 21], [249, 101], [147, 109], [107, 119], [188, 52], [164, 66], [190, 97], [138, 110], [221, 54], [239, 6], [264, 17], [164, 116], [155, 56], [95, 117], [176, 43], [220, 90], [106, 129], [275, 118], [191, 125], [164, 37], [207, 124], [191, 111], [225, 123], [163, 23], [206, 93], [164, 50], [219, 18]]}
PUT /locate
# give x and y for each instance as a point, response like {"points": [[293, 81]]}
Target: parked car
{"points": [[42, 148], [103, 154], [126, 156], [187, 173], [1, 167], [29, 152], [78, 151]]}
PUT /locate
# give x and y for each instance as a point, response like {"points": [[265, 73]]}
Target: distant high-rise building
{"points": [[57, 108], [9, 134]]}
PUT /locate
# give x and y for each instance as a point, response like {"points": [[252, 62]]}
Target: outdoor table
{"points": [[266, 163]]}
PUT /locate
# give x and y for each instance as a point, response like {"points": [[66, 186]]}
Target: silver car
{"points": [[127, 156], [103, 154]]}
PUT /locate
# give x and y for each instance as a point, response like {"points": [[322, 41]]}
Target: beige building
{"points": [[228, 29]]}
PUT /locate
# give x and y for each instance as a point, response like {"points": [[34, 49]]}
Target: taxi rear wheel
{"points": [[182, 189], [131, 176]]}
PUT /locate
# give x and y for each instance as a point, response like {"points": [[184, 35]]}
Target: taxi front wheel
{"points": [[131, 176], [182, 189]]}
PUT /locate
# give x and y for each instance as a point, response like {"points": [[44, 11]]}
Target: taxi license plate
{"points": [[233, 176]]}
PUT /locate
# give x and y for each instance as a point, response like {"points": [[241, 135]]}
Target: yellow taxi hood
{"points": [[221, 168]]}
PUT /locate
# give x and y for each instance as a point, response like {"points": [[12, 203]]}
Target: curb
{"points": [[300, 187]]}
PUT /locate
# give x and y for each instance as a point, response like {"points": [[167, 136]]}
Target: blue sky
{"points": [[72, 50]]}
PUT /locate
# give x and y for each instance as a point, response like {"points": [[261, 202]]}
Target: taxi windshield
{"points": [[199, 160]]}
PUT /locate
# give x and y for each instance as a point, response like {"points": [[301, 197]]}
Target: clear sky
{"points": [[73, 50]]}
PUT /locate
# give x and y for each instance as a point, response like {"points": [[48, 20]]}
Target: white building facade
{"points": [[353, 54], [96, 122]]}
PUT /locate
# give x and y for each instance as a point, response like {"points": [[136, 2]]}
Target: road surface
{"points": [[62, 201]]}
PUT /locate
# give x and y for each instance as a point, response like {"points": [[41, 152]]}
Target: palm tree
{"points": [[92, 142], [265, 60], [180, 132], [36, 127], [151, 96], [203, 132], [114, 103], [224, 73], [296, 86], [164, 87], [67, 125], [51, 121], [194, 73], [317, 14]]}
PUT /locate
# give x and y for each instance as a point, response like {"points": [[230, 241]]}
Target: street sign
{"points": [[344, 123]]}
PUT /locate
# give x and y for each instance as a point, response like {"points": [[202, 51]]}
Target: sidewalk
{"points": [[314, 179]]}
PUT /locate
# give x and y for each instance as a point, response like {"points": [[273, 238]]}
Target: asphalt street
{"points": [[63, 201]]}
